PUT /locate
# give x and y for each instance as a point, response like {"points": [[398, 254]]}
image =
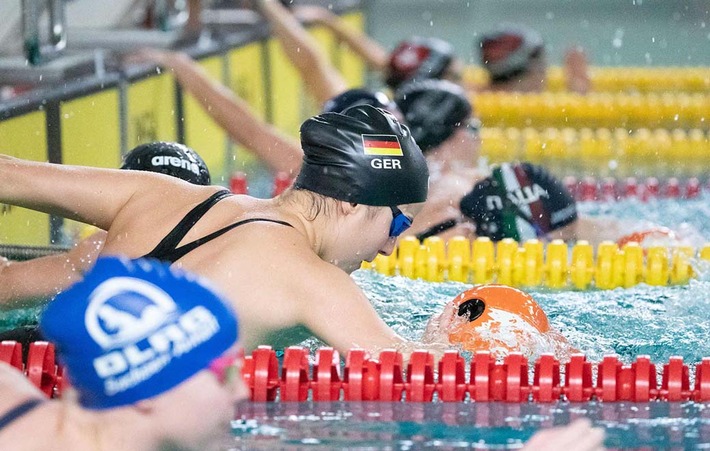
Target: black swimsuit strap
{"points": [[19, 410], [170, 242], [179, 252]]}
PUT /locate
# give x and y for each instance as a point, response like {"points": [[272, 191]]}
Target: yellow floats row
{"points": [[623, 79], [595, 148], [534, 264], [593, 110]]}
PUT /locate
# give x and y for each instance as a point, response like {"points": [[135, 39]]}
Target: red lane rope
{"points": [[423, 379]]}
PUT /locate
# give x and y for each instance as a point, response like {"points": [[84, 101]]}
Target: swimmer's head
{"points": [[420, 58], [496, 316], [509, 51], [176, 160], [433, 110], [360, 96], [134, 329], [364, 156]]}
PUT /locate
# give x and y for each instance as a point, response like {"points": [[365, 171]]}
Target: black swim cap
{"points": [[360, 96], [418, 58], [364, 156], [506, 52], [433, 109], [168, 158]]}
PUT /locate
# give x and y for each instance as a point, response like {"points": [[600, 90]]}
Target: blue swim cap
{"points": [[133, 329]]}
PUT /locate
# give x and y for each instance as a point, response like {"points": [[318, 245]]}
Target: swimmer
{"points": [[512, 200], [28, 283], [120, 403], [283, 262], [514, 57], [416, 58]]}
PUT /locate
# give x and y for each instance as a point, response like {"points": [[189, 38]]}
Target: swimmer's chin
{"points": [[348, 267]]}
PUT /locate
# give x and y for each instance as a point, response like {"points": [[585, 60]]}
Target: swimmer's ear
{"points": [[348, 207]]}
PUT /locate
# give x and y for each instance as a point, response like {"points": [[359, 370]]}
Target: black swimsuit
{"points": [[18, 411], [168, 251]]}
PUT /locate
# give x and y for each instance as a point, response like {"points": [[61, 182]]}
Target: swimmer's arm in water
{"points": [[319, 76], [280, 152], [32, 282], [340, 314], [374, 55], [576, 436]]}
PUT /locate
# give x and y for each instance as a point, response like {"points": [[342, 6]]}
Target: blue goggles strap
{"points": [[400, 222]]}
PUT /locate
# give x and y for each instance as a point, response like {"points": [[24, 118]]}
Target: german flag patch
{"points": [[383, 145]]}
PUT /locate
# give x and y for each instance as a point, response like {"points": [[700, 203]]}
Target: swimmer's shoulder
{"points": [[15, 389]]}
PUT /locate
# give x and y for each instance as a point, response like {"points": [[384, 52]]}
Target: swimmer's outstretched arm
{"points": [[32, 282], [338, 312], [233, 114], [90, 195], [321, 79], [374, 55]]}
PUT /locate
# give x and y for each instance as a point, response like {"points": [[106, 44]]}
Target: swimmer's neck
{"points": [[113, 429]]}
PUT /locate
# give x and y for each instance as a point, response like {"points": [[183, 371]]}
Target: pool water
{"points": [[657, 321], [410, 426]]}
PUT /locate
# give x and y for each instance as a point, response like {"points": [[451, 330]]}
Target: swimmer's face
{"points": [[209, 396], [401, 218], [454, 71], [465, 141]]}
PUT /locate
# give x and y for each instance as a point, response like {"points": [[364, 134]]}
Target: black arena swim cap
{"points": [[168, 158], [418, 58], [433, 109], [360, 96], [506, 52], [362, 156]]}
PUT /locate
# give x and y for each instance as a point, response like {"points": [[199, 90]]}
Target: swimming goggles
{"points": [[227, 367], [400, 222]]}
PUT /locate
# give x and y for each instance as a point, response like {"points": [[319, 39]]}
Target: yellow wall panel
{"points": [[24, 137], [91, 130], [247, 81], [201, 132], [286, 91], [90, 137], [151, 113], [351, 65], [246, 75]]}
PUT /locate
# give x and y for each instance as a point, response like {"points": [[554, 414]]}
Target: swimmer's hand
{"points": [[577, 71], [577, 436], [439, 326], [312, 14], [164, 58]]}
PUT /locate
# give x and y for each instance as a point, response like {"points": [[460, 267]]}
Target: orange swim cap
{"points": [[498, 318]]}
